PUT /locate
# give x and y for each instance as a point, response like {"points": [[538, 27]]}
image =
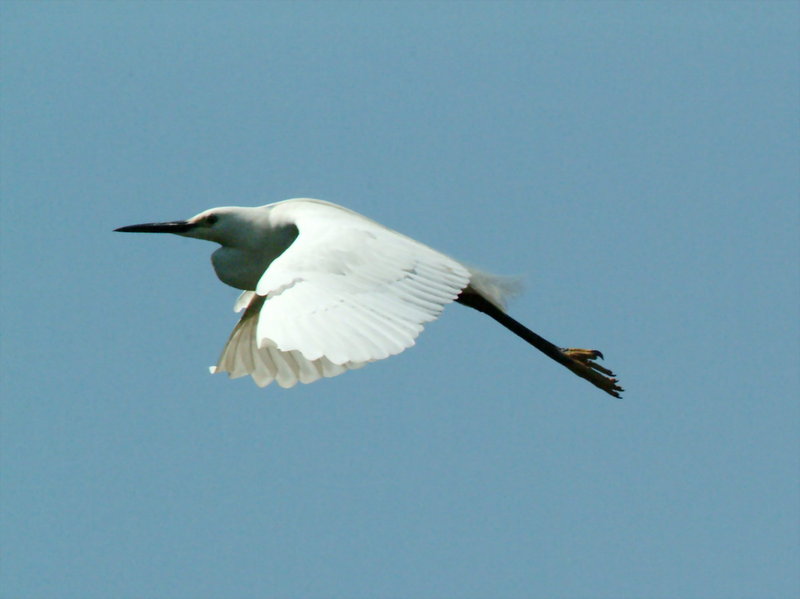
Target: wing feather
{"points": [[242, 356], [357, 277], [346, 292]]}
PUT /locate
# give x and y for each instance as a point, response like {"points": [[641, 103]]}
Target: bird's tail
{"points": [[496, 289]]}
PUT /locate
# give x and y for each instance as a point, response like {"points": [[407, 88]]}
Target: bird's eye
{"points": [[211, 219]]}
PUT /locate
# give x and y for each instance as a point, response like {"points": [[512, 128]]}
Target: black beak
{"points": [[176, 226]]}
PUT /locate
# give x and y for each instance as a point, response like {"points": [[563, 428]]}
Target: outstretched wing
{"points": [[346, 292]]}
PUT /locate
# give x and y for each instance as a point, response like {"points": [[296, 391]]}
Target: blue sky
{"points": [[636, 162]]}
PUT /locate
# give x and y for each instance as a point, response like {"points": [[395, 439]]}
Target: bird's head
{"points": [[228, 226]]}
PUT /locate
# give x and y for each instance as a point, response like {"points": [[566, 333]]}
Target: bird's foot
{"points": [[583, 364]]}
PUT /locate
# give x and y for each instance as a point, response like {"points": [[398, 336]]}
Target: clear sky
{"points": [[637, 163]]}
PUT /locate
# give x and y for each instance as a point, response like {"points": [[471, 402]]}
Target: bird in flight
{"points": [[326, 290]]}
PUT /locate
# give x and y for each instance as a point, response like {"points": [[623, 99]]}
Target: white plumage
{"points": [[346, 291], [326, 290]]}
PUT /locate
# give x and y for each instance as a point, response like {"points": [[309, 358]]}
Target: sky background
{"points": [[637, 163]]}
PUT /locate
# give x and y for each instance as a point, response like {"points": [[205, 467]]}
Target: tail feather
{"points": [[496, 289]]}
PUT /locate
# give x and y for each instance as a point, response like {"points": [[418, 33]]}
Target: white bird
{"points": [[326, 290]]}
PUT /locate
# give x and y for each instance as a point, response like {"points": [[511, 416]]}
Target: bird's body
{"points": [[326, 290]]}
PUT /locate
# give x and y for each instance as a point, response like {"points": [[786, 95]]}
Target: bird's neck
{"points": [[242, 266]]}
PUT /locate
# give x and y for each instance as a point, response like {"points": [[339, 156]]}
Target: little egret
{"points": [[325, 290]]}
